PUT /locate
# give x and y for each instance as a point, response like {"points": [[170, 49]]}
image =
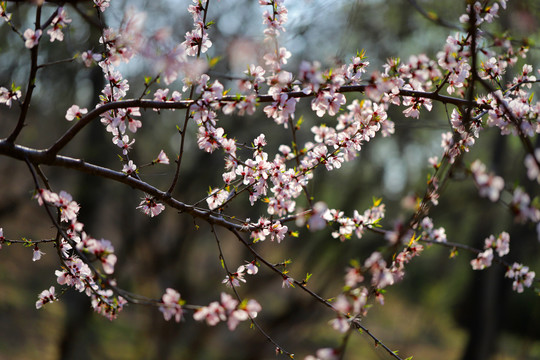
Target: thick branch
{"points": [[185, 104], [37, 157]]}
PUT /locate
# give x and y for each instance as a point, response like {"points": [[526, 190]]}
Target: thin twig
{"points": [[354, 321], [31, 82], [255, 323]]}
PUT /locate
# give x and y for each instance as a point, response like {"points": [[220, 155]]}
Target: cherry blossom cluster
{"points": [[8, 96], [522, 208], [77, 250], [267, 228], [197, 41], [462, 138], [171, 305], [353, 302], [356, 225], [58, 23], [102, 4], [489, 185], [228, 309], [505, 110], [522, 276], [501, 245], [234, 279], [481, 13], [32, 37], [430, 233]]}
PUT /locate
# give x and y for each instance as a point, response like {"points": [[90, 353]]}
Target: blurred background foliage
{"points": [[441, 310]]}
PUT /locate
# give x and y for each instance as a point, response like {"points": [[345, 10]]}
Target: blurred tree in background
{"points": [[441, 309]]}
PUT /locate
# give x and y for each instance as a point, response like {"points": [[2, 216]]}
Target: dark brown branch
{"points": [[185, 104], [37, 157], [31, 83]]}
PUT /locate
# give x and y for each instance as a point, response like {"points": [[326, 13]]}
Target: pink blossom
{"points": [[105, 303], [216, 198], [69, 208], [45, 297], [197, 41], [236, 317], [76, 274], [252, 307], [489, 185], [129, 168], [353, 277], [123, 143], [278, 231], [161, 94], [75, 112], [31, 37], [7, 96], [533, 172], [102, 4], [233, 280], [4, 15], [501, 244], [340, 324], [316, 220], [287, 281], [150, 207], [229, 146], [37, 254], [251, 267], [483, 260], [102, 249], [213, 313], [324, 354], [429, 233], [522, 276], [162, 158], [59, 21], [522, 208], [89, 58], [171, 305], [209, 138]]}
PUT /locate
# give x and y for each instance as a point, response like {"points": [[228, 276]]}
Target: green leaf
{"points": [[27, 242], [213, 61], [299, 122], [15, 88]]}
